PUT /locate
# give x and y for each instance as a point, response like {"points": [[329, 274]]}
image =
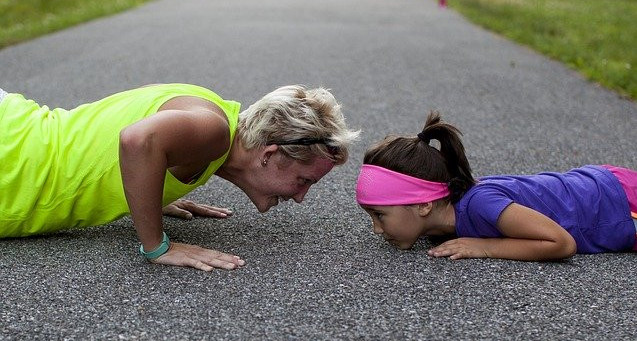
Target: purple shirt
{"points": [[588, 202]]}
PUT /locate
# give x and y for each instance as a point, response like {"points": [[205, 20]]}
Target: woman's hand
{"points": [[461, 248], [197, 257], [186, 209]]}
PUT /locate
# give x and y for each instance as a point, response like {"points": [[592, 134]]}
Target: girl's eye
{"points": [[379, 216], [304, 182]]}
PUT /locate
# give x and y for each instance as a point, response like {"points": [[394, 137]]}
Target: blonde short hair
{"points": [[305, 123]]}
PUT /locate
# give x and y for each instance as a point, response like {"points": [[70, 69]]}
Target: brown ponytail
{"points": [[415, 157]]}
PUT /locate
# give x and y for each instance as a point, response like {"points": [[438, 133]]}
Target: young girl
{"points": [[411, 189]]}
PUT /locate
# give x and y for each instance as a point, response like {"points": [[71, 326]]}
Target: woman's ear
{"points": [[425, 209], [266, 153]]}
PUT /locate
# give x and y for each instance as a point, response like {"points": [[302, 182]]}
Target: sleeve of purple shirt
{"points": [[483, 210]]}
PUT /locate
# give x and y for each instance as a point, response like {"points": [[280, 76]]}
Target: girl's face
{"points": [[399, 225]]}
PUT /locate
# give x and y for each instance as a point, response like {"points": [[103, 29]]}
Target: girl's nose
{"points": [[377, 228]]}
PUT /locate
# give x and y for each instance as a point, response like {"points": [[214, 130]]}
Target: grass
{"points": [[21, 20], [596, 37]]}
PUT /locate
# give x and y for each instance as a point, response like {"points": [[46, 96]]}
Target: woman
{"points": [[140, 150]]}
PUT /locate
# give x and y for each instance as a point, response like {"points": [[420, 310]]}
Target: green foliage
{"points": [[596, 37], [24, 19]]}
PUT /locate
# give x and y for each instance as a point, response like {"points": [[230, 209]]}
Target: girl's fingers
{"points": [[451, 249]]}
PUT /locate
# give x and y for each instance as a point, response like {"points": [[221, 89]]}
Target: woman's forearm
{"points": [[143, 166]]}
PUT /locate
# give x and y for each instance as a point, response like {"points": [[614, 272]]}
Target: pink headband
{"points": [[383, 187]]}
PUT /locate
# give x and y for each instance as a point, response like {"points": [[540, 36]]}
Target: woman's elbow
{"points": [[133, 141]]}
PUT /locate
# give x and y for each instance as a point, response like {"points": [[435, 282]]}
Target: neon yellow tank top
{"points": [[60, 168]]}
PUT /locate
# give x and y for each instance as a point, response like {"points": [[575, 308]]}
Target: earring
{"points": [[264, 162]]}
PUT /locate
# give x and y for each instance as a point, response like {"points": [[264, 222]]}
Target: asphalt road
{"points": [[316, 271]]}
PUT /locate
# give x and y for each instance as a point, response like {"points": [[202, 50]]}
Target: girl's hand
{"points": [[528, 235], [186, 209], [197, 257], [461, 248]]}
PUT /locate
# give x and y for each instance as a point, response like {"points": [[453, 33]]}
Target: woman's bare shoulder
{"points": [[193, 104]]}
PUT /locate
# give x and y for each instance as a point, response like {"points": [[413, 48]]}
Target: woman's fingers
{"points": [[186, 209], [197, 264], [206, 210], [200, 258], [174, 211]]}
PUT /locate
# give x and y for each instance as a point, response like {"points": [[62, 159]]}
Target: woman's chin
{"points": [[265, 206]]}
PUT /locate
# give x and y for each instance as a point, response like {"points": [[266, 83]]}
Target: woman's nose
{"points": [[298, 197]]}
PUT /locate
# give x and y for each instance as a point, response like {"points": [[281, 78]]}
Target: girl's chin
{"points": [[400, 245]]}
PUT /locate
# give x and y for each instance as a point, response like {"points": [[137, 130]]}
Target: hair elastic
{"points": [[423, 137], [383, 187]]}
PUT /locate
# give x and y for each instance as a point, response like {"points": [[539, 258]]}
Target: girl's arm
{"points": [[170, 138], [530, 236]]}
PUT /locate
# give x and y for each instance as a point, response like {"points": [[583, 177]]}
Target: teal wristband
{"points": [[160, 250]]}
